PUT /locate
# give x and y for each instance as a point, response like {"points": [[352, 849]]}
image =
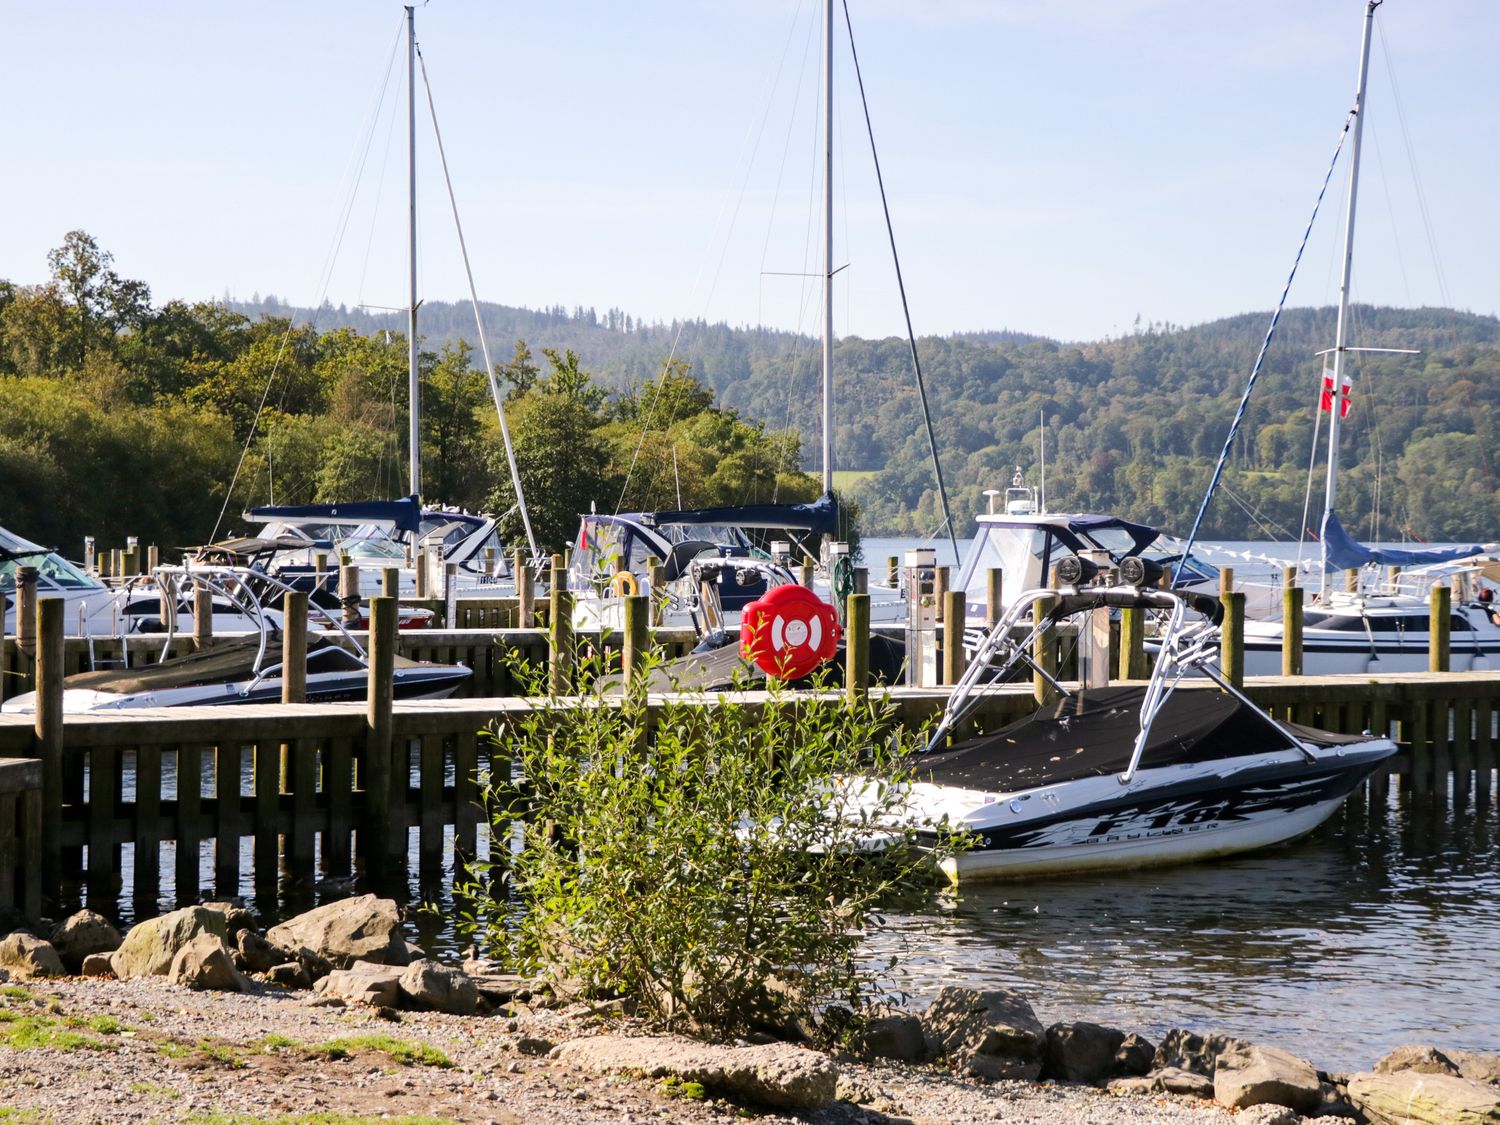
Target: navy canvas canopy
{"points": [[405, 514], [1343, 553], [822, 516]]}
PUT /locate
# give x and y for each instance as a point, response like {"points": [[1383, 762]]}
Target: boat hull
{"points": [[1172, 815]]}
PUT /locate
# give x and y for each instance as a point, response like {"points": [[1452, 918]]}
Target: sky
{"points": [[1057, 168]]}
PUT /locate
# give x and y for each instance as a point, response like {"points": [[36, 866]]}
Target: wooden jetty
{"points": [[308, 790]]}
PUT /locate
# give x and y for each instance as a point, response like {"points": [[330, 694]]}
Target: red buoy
{"points": [[789, 632]]}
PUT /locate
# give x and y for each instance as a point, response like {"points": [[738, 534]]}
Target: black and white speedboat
{"points": [[1128, 776], [242, 669]]}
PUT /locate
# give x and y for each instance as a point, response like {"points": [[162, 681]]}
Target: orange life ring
{"points": [[624, 583]]}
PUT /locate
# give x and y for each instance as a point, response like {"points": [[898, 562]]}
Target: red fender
{"points": [[789, 632]]}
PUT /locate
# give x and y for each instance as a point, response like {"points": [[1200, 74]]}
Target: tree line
{"points": [[121, 417]]}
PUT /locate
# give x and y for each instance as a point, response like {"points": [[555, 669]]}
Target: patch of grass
{"points": [[16, 992], [18, 1116], [104, 1025], [154, 1089], [147, 1017], [33, 1033], [226, 1053], [675, 1087], [407, 1054], [175, 1050], [275, 1042]]}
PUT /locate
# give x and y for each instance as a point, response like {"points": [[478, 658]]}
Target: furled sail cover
{"points": [[1343, 553], [405, 514], [822, 515]]}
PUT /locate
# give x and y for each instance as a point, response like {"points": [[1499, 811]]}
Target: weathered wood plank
{"points": [[189, 821]]}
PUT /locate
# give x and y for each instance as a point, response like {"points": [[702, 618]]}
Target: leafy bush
{"points": [[699, 855]]}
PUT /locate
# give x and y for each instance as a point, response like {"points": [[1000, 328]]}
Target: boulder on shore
{"points": [[205, 963], [376, 985], [1411, 1097], [1250, 1074], [150, 947], [27, 955], [366, 928], [1184, 1050], [83, 934], [988, 1034], [778, 1075], [429, 984], [1081, 1052]]}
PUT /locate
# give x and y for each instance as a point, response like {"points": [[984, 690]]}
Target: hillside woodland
{"points": [[118, 416]]}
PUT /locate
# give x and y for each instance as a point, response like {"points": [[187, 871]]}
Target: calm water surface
{"points": [[1380, 929]]}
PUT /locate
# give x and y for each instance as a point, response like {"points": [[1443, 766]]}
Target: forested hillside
{"points": [[119, 416], [1132, 424]]}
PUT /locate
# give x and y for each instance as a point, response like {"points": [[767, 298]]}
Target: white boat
{"points": [[1127, 776]]}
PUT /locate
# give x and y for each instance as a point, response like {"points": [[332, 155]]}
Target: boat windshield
{"points": [[52, 570], [372, 549], [724, 534], [1020, 552]]}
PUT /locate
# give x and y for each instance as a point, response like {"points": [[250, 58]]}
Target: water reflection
{"points": [[1378, 930]]}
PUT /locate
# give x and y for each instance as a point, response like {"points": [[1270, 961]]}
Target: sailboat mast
{"points": [[1341, 331], [413, 387], [828, 246]]}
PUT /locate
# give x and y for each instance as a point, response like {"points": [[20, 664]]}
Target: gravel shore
{"points": [[76, 1051]]}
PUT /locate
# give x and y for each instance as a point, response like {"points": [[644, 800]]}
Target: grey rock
{"points": [[1268, 1113], [1476, 1065], [236, 917], [429, 984], [1253, 1075], [205, 963], [894, 1035], [376, 985], [501, 988], [1186, 1051], [150, 947], [1134, 1056], [97, 965], [1134, 1084], [366, 928], [259, 955], [1409, 1097], [290, 974], [989, 1034], [1176, 1080], [778, 1075], [1081, 1052], [1418, 1057], [26, 955], [82, 934]]}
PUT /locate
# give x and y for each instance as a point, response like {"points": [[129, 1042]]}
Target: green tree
{"points": [[102, 302]]}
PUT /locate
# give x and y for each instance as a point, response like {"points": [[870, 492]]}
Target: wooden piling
{"points": [[637, 640], [349, 593], [376, 837], [1232, 638], [1043, 653], [1439, 628], [1351, 581], [49, 734], [26, 623], [294, 647], [560, 632], [390, 582], [203, 617], [1133, 643], [1226, 581], [525, 594], [856, 646], [994, 596], [953, 635], [940, 582], [893, 571], [1291, 624], [805, 574], [423, 593]]}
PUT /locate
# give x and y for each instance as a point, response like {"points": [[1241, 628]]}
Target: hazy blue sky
{"points": [[1054, 167]]}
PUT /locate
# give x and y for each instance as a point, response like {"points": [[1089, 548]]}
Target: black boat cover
{"points": [[1092, 734]]}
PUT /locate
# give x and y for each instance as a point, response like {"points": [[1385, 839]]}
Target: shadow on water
{"points": [[1375, 931]]}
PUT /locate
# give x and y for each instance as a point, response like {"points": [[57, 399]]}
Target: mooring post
{"points": [[117, 562], [953, 635], [294, 647], [132, 561], [1439, 628], [893, 571], [525, 595], [560, 632], [1232, 638], [805, 574], [861, 581], [377, 839], [421, 574], [349, 593], [940, 576], [1351, 581], [994, 592], [49, 736], [203, 617], [856, 646], [1043, 652], [1291, 623], [153, 557], [637, 636], [1132, 643], [1226, 581], [450, 595], [390, 582]]}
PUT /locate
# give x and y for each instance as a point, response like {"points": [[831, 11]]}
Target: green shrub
{"points": [[699, 855]]}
